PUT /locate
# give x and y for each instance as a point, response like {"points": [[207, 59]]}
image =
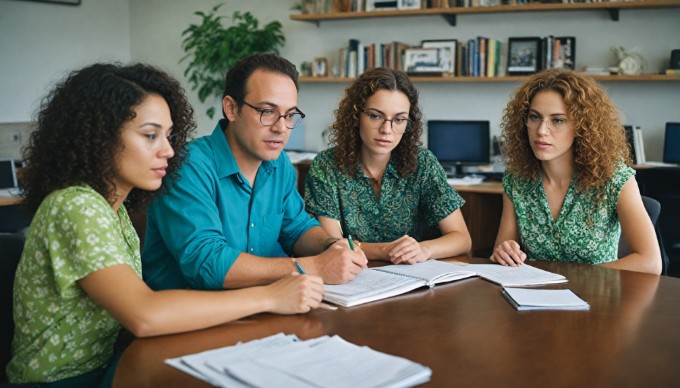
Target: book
{"points": [[531, 299], [392, 280]]}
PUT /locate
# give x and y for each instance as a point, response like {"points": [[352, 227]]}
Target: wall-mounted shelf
{"points": [[613, 78], [450, 13]]}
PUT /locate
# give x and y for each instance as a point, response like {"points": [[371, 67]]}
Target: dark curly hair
{"points": [[344, 133], [600, 144], [79, 126], [237, 77]]}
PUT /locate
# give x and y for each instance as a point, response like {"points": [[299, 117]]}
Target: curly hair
{"points": [[79, 128], [344, 133], [600, 144]]}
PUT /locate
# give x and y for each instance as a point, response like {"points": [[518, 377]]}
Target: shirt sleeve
{"points": [[439, 198], [321, 187], [188, 222], [83, 237], [296, 221], [621, 176]]}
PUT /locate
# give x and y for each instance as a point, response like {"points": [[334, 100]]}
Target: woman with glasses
{"points": [[108, 138], [377, 183], [569, 189]]}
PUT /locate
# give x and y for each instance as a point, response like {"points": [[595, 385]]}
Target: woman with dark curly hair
{"points": [[569, 190], [108, 138], [378, 184]]}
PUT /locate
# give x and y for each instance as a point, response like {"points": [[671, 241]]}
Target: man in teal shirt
{"points": [[235, 214]]}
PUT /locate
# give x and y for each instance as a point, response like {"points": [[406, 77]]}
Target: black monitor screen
{"points": [[671, 143], [8, 177], [457, 142]]}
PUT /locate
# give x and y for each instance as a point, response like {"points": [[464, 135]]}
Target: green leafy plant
{"points": [[212, 49]]}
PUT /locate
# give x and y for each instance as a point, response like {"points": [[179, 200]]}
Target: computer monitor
{"points": [[458, 143], [671, 143], [8, 174]]}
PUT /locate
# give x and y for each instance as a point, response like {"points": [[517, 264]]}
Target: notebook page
{"points": [[370, 285], [432, 271], [524, 275]]}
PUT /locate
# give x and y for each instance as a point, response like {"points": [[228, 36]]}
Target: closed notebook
{"points": [[532, 299]]}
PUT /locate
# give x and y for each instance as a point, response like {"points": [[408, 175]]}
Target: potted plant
{"points": [[212, 48]]}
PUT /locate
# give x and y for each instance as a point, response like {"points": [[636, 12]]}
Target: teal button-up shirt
{"points": [[196, 231]]}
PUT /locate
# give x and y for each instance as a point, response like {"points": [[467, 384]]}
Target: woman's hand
{"points": [[295, 294], [509, 253], [407, 250]]}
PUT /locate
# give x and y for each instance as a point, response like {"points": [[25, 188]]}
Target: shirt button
{"points": [[251, 249], [252, 224]]}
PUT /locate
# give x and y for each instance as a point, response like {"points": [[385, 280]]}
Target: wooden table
{"points": [[469, 335], [9, 201]]}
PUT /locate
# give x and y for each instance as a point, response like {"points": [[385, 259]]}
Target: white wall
{"points": [[40, 41]]}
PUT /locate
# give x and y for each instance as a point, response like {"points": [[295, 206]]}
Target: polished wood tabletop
{"points": [[470, 336], [9, 201]]}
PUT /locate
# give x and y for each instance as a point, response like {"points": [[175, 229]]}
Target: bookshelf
{"points": [[450, 13], [606, 78]]}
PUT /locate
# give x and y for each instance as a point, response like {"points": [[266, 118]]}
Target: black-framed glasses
{"points": [[270, 117], [554, 124], [376, 120]]}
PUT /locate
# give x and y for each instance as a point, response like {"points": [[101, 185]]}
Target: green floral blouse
{"points": [[60, 332], [584, 232], [410, 205]]}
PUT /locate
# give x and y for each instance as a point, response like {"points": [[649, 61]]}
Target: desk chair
{"points": [[653, 208], [11, 246]]}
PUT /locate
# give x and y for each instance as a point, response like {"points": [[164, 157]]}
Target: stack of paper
{"points": [[286, 361], [531, 299]]}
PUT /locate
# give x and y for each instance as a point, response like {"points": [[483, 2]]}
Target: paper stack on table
{"points": [[286, 361]]}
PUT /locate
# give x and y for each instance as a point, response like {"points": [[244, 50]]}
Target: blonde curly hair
{"points": [[344, 133], [600, 145]]}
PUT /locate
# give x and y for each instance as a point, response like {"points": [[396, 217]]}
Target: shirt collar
{"points": [[390, 169], [225, 162]]}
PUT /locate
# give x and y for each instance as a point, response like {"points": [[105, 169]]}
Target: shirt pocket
{"points": [[270, 229]]}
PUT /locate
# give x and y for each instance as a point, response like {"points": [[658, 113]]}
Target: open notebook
{"points": [[391, 280]]}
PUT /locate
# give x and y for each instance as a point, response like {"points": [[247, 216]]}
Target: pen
{"points": [[351, 244], [298, 266]]}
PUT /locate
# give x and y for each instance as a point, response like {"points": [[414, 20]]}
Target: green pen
{"points": [[299, 267], [351, 244]]}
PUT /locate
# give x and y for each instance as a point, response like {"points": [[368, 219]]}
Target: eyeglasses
{"points": [[270, 117], [554, 124], [377, 120]]}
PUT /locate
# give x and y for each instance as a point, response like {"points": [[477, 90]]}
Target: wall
{"points": [[39, 42], [649, 104]]}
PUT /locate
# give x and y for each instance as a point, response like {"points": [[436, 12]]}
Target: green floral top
{"points": [[60, 332], [584, 232], [410, 205]]}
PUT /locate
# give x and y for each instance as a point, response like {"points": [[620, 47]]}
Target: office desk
{"points": [[8, 201], [469, 335], [482, 212]]}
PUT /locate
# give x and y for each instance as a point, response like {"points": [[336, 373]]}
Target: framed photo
{"points": [[320, 67], [408, 4], [446, 52], [524, 55], [420, 61]]}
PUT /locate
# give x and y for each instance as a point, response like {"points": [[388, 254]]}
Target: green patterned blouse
{"points": [[60, 332], [584, 232], [410, 205]]}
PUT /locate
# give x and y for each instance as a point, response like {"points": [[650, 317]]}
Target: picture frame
{"points": [[423, 61], [320, 67], [447, 52], [524, 55], [408, 4]]}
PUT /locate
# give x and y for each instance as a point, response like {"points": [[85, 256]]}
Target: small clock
{"points": [[630, 65]]}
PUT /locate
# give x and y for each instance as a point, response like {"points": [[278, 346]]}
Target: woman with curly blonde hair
{"points": [[378, 184], [569, 189]]}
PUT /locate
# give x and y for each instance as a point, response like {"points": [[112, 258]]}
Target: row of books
{"points": [[474, 57], [326, 6]]}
